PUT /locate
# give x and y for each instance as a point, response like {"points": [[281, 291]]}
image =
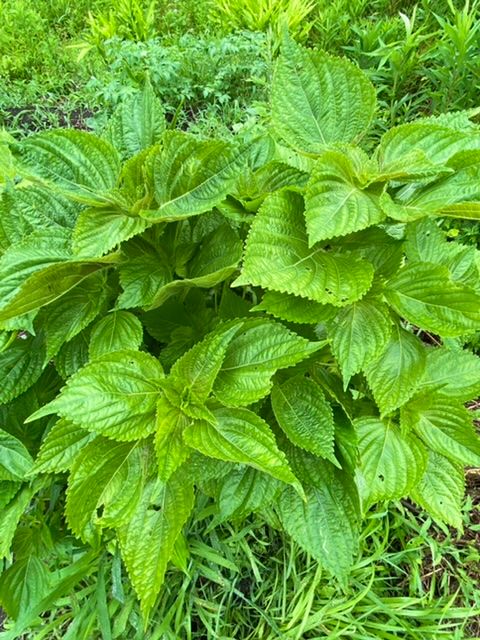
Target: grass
{"points": [[412, 579]]}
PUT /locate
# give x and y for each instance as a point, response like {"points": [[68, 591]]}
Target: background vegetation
{"points": [[65, 63]]}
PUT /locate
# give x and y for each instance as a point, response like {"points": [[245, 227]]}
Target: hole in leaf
{"points": [[381, 477], [100, 511]]}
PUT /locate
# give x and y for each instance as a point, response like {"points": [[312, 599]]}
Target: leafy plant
{"points": [[148, 370], [266, 15], [198, 79]]}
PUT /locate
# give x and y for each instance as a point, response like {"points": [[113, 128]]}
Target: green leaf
{"points": [[245, 490], [192, 176], [215, 260], [117, 331], [104, 486], [259, 349], [453, 373], [60, 447], [241, 436], [47, 286], [391, 463], [437, 142], [72, 312], [146, 271], [318, 100], [147, 278], [381, 249], [426, 242], [32, 208], [115, 395], [294, 308], [73, 354], [78, 163], [194, 374], [21, 365], [359, 334], [395, 375], [277, 256], [26, 581], [10, 516], [98, 231], [326, 523], [441, 489], [137, 123], [305, 416], [15, 461], [170, 447], [445, 426], [425, 295], [335, 203], [38, 251], [148, 538]]}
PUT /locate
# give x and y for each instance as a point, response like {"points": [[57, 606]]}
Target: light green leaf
{"points": [[170, 447], [359, 334], [453, 373], [451, 194], [15, 460], [253, 355], [381, 249], [326, 523], [413, 166], [8, 490], [28, 208], [78, 163], [192, 176], [137, 123], [318, 100], [305, 416], [441, 489], [98, 231], [253, 188], [116, 331], [115, 395], [277, 256], [445, 426], [245, 490], [60, 447], [295, 309], [147, 539], [336, 204], [47, 286], [21, 365], [194, 374], [104, 486], [241, 436], [73, 311], [38, 251], [391, 463], [425, 295], [395, 375], [439, 143]]}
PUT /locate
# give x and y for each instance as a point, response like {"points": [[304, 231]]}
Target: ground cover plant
{"points": [[271, 325]]}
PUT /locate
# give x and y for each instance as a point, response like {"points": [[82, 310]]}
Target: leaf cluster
{"points": [[275, 324]]}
